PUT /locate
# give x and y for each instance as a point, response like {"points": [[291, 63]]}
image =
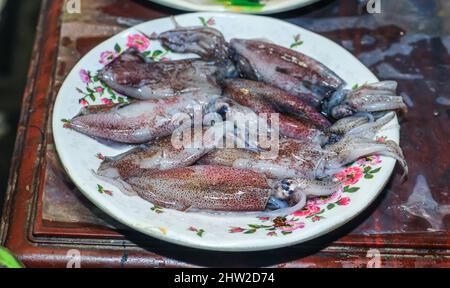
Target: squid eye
{"points": [[291, 191], [333, 138], [285, 186], [275, 204], [285, 181], [222, 110], [341, 111]]}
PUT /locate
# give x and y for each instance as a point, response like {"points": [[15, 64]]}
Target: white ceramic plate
{"points": [[78, 152], [252, 6]]}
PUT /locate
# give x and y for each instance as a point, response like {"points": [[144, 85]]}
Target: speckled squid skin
{"points": [[137, 122], [249, 94], [375, 97], [206, 42], [132, 75], [161, 154], [286, 69], [151, 157], [295, 159], [282, 101], [204, 187], [300, 159]]}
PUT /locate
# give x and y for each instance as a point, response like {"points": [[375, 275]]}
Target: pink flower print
{"points": [[350, 176], [381, 139], [107, 56], [211, 21], [100, 156], [272, 233], [236, 230], [84, 75], [344, 201], [105, 101], [321, 200], [108, 192], [369, 160], [99, 89], [138, 41], [164, 59], [292, 226], [153, 35], [263, 218], [83, 102], [307, 210], [66, 123], [315, 218]]}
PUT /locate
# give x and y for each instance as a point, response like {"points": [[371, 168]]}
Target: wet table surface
{"points": [[407, 225]]}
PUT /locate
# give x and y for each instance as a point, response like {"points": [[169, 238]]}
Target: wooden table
{"points": [[45, 216]]}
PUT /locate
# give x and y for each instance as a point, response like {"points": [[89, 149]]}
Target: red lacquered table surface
{"points": [[45, 216]]}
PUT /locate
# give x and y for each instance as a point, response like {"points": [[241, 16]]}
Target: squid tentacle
{"points": [[368, 130], [353, 148], [380, 96], [358, 126], [344, 125]]}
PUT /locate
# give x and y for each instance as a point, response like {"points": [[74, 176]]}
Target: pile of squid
{"points": [[322, 126]]}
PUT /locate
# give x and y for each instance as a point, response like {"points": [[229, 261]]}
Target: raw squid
{"points": [[208, 179], [250, 128], [204, 187], [310, 80], [295, 159], [154, 156], [206, 42], [374, 97], [286, 69], [139, 121], [263, 98], [302, 160], [164, 153], [133, 75], [299, 159], [242, 89], [288, 125], [207, 188]]}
